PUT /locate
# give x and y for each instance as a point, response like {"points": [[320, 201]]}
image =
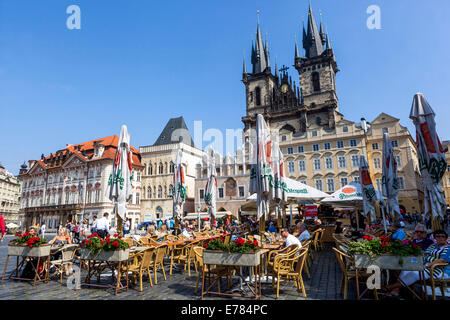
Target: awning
{"points": [[194, 215]]}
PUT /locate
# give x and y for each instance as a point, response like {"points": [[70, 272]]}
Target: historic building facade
{"points": [[446, 180], [158, 160], [10, 187], [321, 148], [72, 184]]}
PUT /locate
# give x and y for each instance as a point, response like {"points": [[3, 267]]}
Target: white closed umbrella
{"points": [[120, 191], [12, 225], [432, 161], [390, 177], [369, 194], [179, 187], [211, 188], [278, 182]]}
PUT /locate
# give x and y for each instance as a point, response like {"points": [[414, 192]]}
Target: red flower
{"points": [[90, 242], [255, 242], [115, 244], [108, 240], [102, 242], [367, 238], [120, 237], [240, 242], [116, 235], [31, 246], [206, 245], [249, 241]]}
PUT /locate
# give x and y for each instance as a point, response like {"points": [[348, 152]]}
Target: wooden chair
{"points": [[65, 263], [208, 270], [296, 265], [191, 257], [275, 256], [440, 282], [180, 254], [308, 260], [143, 266], [158, 262]]}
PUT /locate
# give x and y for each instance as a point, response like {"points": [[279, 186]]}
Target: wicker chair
{"points": [[68, 253], [276, 255], [180, 255], [308, 261], [143, 265], [440, 282], [129, 241], [158, 262], [291, 268], [208, 270]]}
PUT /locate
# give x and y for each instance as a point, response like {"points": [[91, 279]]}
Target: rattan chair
{"points": [[208, 270], [158, 262], [440, 282], [65, 263], [143, 265], [180, 254]]}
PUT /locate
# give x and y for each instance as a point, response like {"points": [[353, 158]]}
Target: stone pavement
{"points": [[323, 285]]}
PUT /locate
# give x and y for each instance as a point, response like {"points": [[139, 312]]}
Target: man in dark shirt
{"points": [[420, 237]]}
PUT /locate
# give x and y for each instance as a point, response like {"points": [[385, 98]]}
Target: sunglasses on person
{"points": [[440, 236]]}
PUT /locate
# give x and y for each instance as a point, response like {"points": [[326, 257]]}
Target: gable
{"points": [[384, 118], [37, 168], [74, 161]]}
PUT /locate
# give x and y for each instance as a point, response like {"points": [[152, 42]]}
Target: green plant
{"points": [[96, 244], [238, 246], [380, 246], [28, 240]]}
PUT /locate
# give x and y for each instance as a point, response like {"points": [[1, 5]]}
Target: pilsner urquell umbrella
{"points": [[261, 170], [211, 188], [390, 177], [368, 191], [179, 187], [432, 159], [280, 195], [120, 191]]}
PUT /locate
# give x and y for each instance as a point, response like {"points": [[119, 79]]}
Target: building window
{"points": [[301, 165], [258, 96], [138, 198], [340, 144], [316, 147], [283, 138], [344, 129], [355, 160], [150, 169], [327, 146], [353, 143], [377, 163], [300, 149], [398, 159], [342, 162], [303, 181], [89, 196], [394, 143], [318, 183], [329, 163], [290, 150], [241, 191], [149, 192], [160, 192], [330, 185], [66, 200], [138, 177], [221, 193], [97, 196], [356, 179], [314, 133], [316, 81], [317, 164], [379, 184], [401, 183], [170, 190], [172, 167], [291, 166], [375, 146], [344, 182], [202, 194], [385, 130]]}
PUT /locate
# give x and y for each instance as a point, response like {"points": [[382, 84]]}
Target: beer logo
{"points": [[348, 190]]}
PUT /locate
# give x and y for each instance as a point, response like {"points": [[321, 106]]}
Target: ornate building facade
{"points": [[321, 148], [158, 160], [72, 184], [10, 187]]}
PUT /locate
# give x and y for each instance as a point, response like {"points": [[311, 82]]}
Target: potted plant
{"points": [[235, 253], [108, 249], [28, 245], [387, 254]]}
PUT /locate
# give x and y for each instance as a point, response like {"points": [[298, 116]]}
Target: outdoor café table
{"points": [[412, 264], [42, 253], [96, 265]]}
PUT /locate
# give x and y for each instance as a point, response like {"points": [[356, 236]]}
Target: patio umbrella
{"points": [[368, 191], [179, 188], [277, 182], [120, 191], [211, 188], [12, 225], [390, 178], [261, 171], [432, 159]]}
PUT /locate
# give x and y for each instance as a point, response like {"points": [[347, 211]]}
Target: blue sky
{"points": [[143, 62]]}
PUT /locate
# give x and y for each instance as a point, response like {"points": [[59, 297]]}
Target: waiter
{"points": [[102, 226]]}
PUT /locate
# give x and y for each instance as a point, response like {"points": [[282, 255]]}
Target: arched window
{"points": [[316, 81], [170, 190], [159, 192], [166, 169], [159, 212], [171, 168], [150, 169], [161, 168], [149, 192], [258, 96], [165, 192]]}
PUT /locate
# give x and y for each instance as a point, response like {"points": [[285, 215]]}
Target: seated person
{"points": [[187, 231], [272, 228], [151, 231], [420, 237], [317, 225], [290, 239], [398, 232], [61, 238], [339, 229], [304, 234], [436, 253]]}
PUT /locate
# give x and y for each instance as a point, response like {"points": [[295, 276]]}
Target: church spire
{"points": [[260, 59], [312, 42]]}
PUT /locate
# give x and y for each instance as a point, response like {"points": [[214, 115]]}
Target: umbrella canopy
{"points": [[350, 194], [179, 187], [432, 159], [278, 182], [390, 177], [12, 225], [211, 187], [368, 191], [120, 191], [261, 171]]}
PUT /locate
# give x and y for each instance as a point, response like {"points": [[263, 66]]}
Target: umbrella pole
{"points": [[384, 220], [357, 219], [119, 222], [262, 224]]}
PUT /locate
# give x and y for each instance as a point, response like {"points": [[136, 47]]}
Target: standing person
{"points": [[168, 224], [2, 227], [42, 230], [126, 227], [94, 221], [84, 229], [102, 226]]}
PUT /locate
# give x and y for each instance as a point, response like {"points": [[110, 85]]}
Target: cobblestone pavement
{"points": [[323, 285]]}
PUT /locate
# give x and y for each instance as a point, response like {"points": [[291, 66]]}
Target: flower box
{"points": [[26, 251], [232, 259], [390, 262], [113, 256]]}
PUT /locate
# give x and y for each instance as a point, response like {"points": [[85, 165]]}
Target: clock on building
{"points": [[284, 88]]}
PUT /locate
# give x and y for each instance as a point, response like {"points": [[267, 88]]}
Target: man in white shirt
{"points": [[290, 239], [43, 231], [102, 226], [304, 234]]}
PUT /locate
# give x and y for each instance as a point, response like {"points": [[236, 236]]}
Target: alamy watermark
{"points": [[74, 20], [374, 20]]}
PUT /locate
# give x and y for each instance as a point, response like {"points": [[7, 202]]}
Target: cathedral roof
{"points": [[176, 127]]}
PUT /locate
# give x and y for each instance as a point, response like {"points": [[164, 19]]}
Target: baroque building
{"points": [[321, 148], [72, 184], [158, 160], [10, 187]]}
